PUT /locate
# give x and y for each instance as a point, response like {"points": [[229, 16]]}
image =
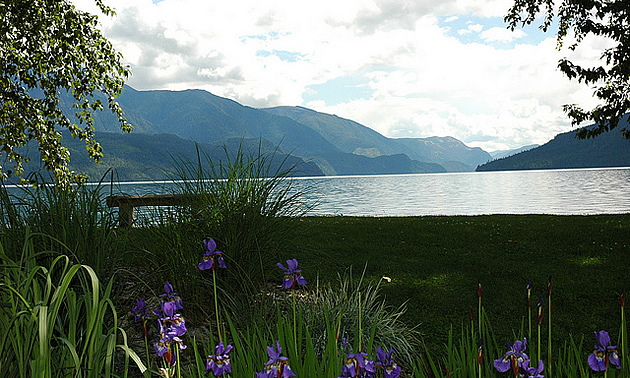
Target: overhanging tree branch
{"points": [[604, 18], [49, 49]]}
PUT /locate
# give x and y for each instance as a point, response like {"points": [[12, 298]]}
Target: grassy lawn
{"points": [[433, 265], [436, 262]]}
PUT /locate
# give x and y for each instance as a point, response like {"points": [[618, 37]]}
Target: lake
{"points": [[567, 191]]}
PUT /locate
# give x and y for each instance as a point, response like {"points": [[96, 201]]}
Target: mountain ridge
{"points": [[332, 144], [203, 117], [368, 142], [566, 151]]}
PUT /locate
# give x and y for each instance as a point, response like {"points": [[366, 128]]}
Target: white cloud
{"points": [[423, 81], [497, 34], [475, 27]]}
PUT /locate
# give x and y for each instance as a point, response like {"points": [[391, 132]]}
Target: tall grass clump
{"points": [[57, 320], [247, 202], [358, 312], [76, 217]]}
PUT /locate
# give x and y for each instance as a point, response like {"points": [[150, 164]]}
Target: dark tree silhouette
{"points": [[610, 80]]}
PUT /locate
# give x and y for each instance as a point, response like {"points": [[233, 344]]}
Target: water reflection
{"points": [[579, 191]]}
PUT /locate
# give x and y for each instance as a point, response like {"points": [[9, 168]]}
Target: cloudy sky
{"points": [[406, 68]]}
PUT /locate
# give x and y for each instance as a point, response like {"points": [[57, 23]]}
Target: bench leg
{"points": [[125, 215]]}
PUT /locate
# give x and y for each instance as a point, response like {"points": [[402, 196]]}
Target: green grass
{"points": [[57, 320], [436, 262], [432, 265]]}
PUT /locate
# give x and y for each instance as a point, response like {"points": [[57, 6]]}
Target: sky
{"points": [[405, 68]]}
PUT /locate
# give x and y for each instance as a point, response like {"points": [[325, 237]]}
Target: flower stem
{"points": [[179, 370], [479, 356], [529, 313], [529, 308], [472, 325], [294, 324], [360, 328], [623, 334], [479, 306], [540, 315], [539, 354], [549, 330], [146, 344], [216, 302]]}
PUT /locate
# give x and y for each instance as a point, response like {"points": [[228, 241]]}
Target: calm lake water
{"points": [[573, 191]]}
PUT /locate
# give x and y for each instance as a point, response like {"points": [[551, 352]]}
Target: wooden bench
{"points": [[127, 203]]}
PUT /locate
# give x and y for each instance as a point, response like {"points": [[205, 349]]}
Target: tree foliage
{"points": [[611, 80], [50, 51]]}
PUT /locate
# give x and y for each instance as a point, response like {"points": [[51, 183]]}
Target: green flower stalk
{"points": [[360, 328], [472, 324], [479, 356], [623, 333], [480, 350], [179, 369], [479, 305], [540, 316], [529, 308], [295, 341], [211, 258], [549, 285], [216, 303]]}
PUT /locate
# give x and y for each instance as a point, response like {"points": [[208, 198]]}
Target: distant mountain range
{"points": [[170, 122], [566, 151], [172, 125]]}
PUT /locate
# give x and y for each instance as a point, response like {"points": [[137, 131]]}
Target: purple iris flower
{"points": [[170, 335], [366, 366], [140, 310], [368, 370], [171, 296], [278, 365], [532, 372], [178, 325], [219, 362], [385, 361], [513, 358], [604, 353], [358, 365], [266, 374], [210, 247], [292, 274], [162, 346], [349, 368], [169, 309]]}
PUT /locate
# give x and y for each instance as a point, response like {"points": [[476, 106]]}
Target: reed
{"points": [[77, 218], [57, 319], [245, 205]]}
